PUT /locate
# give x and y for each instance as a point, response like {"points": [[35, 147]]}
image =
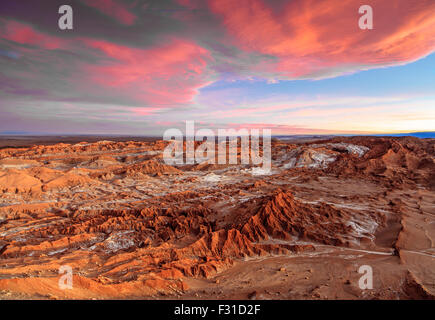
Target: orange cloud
{"points": [[311, 38]]}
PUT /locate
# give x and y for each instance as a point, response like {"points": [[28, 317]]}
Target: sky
{"points": [[141, 67]]}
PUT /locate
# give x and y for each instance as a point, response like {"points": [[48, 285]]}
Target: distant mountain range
{"points": [[15, 133], [429, 134], [422, 135]]}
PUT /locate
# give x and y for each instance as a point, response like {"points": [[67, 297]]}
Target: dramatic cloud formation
{"points": [[313, 39], [222, 62], [166, 74]]}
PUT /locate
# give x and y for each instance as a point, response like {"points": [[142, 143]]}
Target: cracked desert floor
{"points": [[132, 227]]}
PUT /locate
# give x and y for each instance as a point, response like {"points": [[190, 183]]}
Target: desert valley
{"points": [[131, 227]]}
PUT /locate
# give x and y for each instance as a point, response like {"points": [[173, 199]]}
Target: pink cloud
{"points": [[144, 111], [113, 9], [166, 123], [165, 75], [283, 129], [25, 34], [312, 37]]}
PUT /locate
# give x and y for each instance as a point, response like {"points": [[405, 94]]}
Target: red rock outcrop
{"points": [[283, 217]]}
